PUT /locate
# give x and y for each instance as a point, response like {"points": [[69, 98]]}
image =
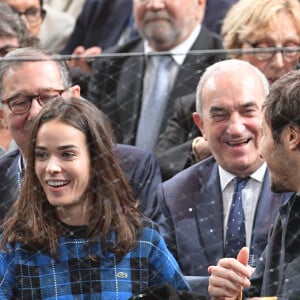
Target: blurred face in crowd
{"points": [[31, 13], [40, 78], [231, 108], [281, 33], [62, 165], [167, 23]]}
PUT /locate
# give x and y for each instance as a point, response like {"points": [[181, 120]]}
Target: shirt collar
{"points": [[179, 52], [226, 177]]}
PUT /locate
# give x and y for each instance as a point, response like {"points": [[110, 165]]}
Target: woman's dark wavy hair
{"points": [[33, 221], [282, 106]]}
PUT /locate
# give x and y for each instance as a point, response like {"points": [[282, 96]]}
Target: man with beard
{"points": [[122, 86]]}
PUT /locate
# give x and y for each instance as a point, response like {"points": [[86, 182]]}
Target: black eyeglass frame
{"points": [[28, 14], [269, 52]]}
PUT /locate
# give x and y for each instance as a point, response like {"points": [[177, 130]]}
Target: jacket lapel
{"points": [[209, 210], [193, 66]]}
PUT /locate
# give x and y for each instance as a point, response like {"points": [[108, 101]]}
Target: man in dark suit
{"points": [[194, 206], [100, 23], [120, 83], [25, 87]]}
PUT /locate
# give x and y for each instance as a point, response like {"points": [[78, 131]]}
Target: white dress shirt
{"points": [[250, 195]]}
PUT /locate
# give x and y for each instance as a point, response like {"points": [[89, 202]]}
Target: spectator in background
{"points": [[51, 26], [249, 25], [13, 34], [176, 147], [71, 7], [102, 24], [56, 28], [264, 24], [76, 222], [215, 13], [121, 86], [199, 200], [99, 26]]}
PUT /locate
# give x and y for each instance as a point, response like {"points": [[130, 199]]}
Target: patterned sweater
{"points": [[26, 274]]}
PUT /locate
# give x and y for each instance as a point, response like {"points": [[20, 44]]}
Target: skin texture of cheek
{"points": [[18, 127]]}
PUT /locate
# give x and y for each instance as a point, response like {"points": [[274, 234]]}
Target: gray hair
{"points": [[21, 56], [225, 66]]}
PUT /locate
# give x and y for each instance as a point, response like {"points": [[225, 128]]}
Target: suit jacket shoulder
{"points": [[174, 147], [142, 172], [10, 175], [116, 86]]}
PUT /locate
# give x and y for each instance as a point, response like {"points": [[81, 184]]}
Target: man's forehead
{"points": [[17, 3], [32, 76], [37, 67]]}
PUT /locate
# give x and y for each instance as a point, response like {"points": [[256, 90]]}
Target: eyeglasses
{"points": [[266, 52], [7, 48], [20, 104], [32, 14]]}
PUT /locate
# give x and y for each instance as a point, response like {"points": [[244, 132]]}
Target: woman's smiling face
{"points": [[62, 165]]}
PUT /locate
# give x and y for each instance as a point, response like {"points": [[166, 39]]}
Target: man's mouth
{"points": [[237, 143]]}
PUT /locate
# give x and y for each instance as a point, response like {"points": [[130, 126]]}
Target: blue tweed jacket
{"points": [[28, 274]]}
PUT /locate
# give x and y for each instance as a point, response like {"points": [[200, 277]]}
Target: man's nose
{"points": [[35, 108], [236, 124], [155, 4]]}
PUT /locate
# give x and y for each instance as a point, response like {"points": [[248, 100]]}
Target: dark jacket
{"points": [[100, 23], [190, 216], [116, 86], [174, 146], [278, 273]]}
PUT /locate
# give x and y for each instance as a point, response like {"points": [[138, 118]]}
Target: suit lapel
{"points": [[209, 215], [193, 66]]}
